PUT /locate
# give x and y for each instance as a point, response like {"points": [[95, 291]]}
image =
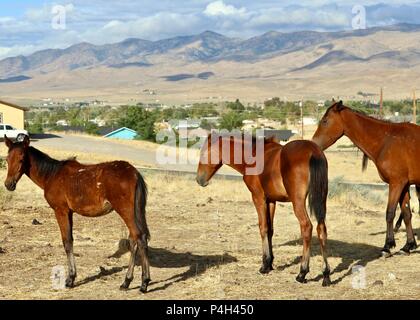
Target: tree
{"points": [[205, 124], [140, 120], [91, 128], [274, 113], [231, 120], [34, 128], [237, 105]]}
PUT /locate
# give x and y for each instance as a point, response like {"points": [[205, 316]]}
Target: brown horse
{"points": [[89, 190], [393, 147], [289, 173]]}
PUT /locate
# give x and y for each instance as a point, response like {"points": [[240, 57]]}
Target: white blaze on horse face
{"points": [[249, 158]]}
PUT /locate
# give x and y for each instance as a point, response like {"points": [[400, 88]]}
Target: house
{"points": [[12, 114], [122, 133], [62, 123]]}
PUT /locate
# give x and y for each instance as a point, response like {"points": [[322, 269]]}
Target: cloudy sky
{"points": [[30, 25]]}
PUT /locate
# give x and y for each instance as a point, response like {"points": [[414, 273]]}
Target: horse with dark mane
{"points": [[89, 190], [288, 174], [393, 148]]}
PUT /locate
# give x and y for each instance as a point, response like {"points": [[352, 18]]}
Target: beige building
{"points": [[12, 114]]}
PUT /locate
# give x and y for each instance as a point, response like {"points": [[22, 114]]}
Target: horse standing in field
{"points": [[393, 147], [289, 173], [89, 190]]}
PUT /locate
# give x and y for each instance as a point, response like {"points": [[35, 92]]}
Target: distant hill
{"points": [[14, 79], [217, 59], [209, 47]]}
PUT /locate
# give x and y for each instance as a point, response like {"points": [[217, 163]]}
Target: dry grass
{"points": [[205, 245]]}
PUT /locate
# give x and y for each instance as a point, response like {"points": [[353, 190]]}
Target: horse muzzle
{"points": [[202, 181], [10, 185]]}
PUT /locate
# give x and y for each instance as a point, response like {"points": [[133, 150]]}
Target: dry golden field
{"points": [[205, 245]]}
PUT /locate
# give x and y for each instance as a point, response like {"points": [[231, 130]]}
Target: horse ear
{"points": [[339, 106], [26, 142], [7, 141]]}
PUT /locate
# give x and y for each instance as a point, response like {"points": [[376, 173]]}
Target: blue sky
{"points": [[26, 26]]}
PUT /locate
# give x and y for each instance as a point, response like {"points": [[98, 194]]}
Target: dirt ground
{"points": [[205, 245]]}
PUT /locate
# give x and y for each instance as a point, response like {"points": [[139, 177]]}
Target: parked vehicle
{"points": [[12, 133]]}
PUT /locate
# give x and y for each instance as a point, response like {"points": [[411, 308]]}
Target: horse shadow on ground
{"points": [[42, 136], [350, 253], [164, 258]]}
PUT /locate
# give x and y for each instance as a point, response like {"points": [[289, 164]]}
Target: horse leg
{"points": [[134, 236], [138, 243], [65, 221], [418, 195], [395, 191], [306, 231], [399, 221], [261, 206], [406, 212], [145, 268], [271, 209], [400, 218], [322, 236]]}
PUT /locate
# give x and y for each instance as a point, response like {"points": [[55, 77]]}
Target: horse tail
{"points": [[364, 162], [140, 202], [318, 186]]}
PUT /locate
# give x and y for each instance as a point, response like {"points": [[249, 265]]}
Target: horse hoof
{"points": [[326, 282], [69, 283], [386, 253], [265, 269], [409, 246], [123, 287], [301, 279], [143, 288]]}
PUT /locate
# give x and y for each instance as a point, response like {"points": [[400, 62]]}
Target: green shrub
{"points": [[35, 128]]}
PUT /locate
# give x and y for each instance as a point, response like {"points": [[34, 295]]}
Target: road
{"points": [[107, 147]]}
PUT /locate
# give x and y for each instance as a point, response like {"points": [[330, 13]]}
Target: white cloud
{"points": [[100, 21], [219, 8], [158, 26], [300, 17]]}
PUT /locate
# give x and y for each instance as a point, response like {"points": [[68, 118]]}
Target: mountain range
{"points": [[273, 63]]}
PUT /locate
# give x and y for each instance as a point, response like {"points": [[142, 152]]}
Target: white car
{"points": [[12, 133]]}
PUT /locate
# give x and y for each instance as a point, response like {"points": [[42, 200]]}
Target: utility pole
{"points": [[301, 115], [414, 107], [381, 103]]}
